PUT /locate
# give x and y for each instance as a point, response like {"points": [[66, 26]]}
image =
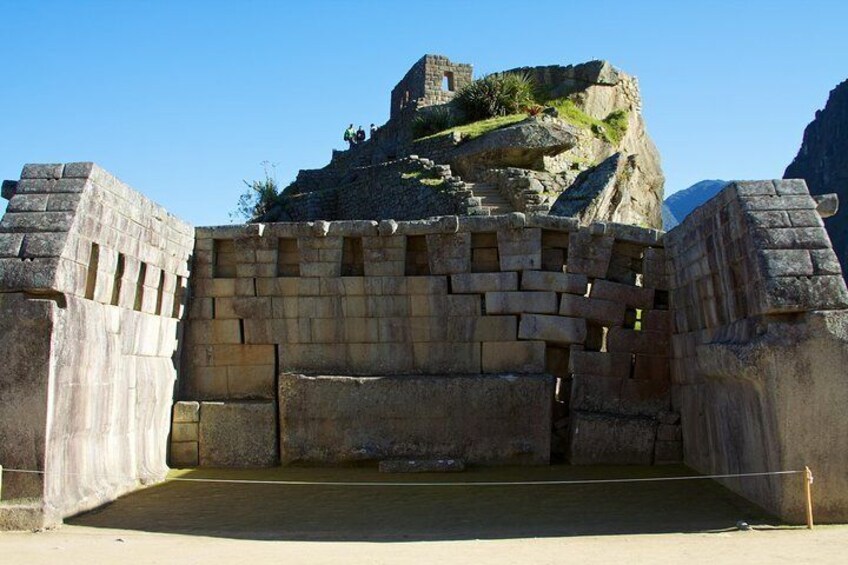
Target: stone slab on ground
{"points": [[495, 419], [238, 434]]}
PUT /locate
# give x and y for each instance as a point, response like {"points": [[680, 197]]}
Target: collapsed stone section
{"points": [[430, 299], [92, 282], [760, 344]]}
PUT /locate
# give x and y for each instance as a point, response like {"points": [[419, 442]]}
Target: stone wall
{"points": [[760, 344], [449, 296], [425, 80], [92, 276]]}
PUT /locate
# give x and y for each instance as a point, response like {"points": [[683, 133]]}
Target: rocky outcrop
{"points": [[822, 161], [523, 145], [594, 113], [609, 192]]}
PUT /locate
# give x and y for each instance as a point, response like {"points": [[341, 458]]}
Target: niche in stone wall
{"points": [[288, 257], [353, 263], [484, 253], [224, 258], [160, 292], [139, 287], [118, 280], [554, 250], [178, 298], [91, 275], [626, 263], [417, 258], [596, 337]]}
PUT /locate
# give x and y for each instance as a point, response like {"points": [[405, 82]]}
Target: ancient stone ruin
{"points": [[133, 342]]}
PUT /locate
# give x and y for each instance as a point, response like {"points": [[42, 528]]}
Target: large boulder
{"points": [[523, 145]]}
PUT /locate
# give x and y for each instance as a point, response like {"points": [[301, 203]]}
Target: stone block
{"points": [[645, 397], [556, 282], [651, 367], [621, 340], [238, 434], [428, 305], [184, 431], [250, 382], [186, 411], [602, 439], [42, 171], [634, 296], [603, 312], [513, 357], [554, 329], [477, 328], [799, 294], [184, 454], [483, 282], [332, 420], [10, 244], [602, 364], [444, 357], [465, 305], [521, 302], [449, 253], [8, 189], [669, 432], [520, 249], [593, 393], [656, 320]]}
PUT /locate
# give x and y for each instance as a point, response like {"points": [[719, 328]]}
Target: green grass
{"points": [[611, 129], [433, 182], [411, 175], [476, 129]]}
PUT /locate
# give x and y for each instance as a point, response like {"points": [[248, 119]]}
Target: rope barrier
{"points": [[808, 481], [459, 483]]}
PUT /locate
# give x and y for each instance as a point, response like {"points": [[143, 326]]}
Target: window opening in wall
{"points": [[447, 82], [178, 298], [139, 287], [288, 257], [484, 253], [353, 264], [417, 258], [118, 280], [160, 291], [224, 258], [91, 276], [661, 299], [596, 337]]}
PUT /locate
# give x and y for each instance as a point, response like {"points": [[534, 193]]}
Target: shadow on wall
{"points": [[345, 513]]}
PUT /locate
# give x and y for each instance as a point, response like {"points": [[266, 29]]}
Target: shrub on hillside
{"points": [[260, 196], [497, 94], [432, 120]]}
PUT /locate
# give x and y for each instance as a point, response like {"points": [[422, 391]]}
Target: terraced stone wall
{"points": [[449, 296]]}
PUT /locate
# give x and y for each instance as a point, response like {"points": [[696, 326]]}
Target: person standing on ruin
{"points": [[360, 135], [373, 131], [350, 136]]}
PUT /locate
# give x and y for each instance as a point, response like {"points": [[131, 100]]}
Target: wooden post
{"points": [[808, 481]]}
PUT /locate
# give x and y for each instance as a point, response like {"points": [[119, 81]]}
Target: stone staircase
{"points": [[491, 200]]}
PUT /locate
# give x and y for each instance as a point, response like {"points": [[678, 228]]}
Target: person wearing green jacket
{"points": [[350, 136]]}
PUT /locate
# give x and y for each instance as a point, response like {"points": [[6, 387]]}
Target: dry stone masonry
{"points": [[131, 338], [92, 287]]}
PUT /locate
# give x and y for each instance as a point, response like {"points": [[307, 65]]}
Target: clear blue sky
{"points": [[183, 100]]}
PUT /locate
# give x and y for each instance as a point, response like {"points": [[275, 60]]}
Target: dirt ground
{"points": [[656, 522]]}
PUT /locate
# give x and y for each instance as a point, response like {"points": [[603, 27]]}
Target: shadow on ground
{"points": [[391, 513]]}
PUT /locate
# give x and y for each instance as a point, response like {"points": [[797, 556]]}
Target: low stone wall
{"points": [[448, 296], [760, 345], [92, 277]]}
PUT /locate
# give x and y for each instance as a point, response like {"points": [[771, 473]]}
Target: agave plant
{"points": [[497, 94]]}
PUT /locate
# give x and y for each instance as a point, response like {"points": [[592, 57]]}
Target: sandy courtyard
{"points": [[663, 522]]}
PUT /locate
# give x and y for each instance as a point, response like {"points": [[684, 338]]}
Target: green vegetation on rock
{"points": [[497, 94], [611, 129], [481, 127]]}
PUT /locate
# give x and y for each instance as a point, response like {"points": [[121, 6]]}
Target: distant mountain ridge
{"points": [[822, 161], [680, 204]]}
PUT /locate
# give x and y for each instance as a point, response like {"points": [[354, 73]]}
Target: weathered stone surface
{"points": [[521, 302], [603, 312], [513, 357], [611, 440], [346, 419], [557, 282], [238, 434], [555, 329], [634, 296], [484, 282]]}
